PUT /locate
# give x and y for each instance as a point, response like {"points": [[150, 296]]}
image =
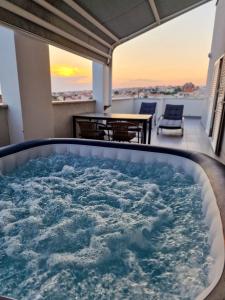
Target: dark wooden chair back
{"points": [[120, 131], [90, 130]]}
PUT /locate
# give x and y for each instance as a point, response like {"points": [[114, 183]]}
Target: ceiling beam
{"points": [[71, 21], [92, 20], [29, 16], [155, 11]]}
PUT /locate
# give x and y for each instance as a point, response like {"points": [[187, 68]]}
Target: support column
{"points": [[26, 86], [102, 86], [217, 50], [10, 85]]}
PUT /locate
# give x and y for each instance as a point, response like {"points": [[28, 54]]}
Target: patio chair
{"points": [[121, 133], [172, 118], [149, 109], [91, 130]]}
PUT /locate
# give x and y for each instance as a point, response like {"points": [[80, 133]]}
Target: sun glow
{"points": [[65, 71]]}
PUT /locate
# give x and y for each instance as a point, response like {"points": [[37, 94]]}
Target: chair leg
{"points": [[157, 130], [182, 131], [109, 137]]}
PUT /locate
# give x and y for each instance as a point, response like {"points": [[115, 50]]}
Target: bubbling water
{"points": [[86, 228]]}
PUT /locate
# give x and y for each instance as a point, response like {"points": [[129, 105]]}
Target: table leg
{"points": [[74, 127], [149, 130], [144, 132]]}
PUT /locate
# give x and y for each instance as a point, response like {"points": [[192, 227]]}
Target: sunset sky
{"points": [[174, 53]]}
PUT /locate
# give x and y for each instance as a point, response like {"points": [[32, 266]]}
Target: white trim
{"points": [[155, 11], [25, 14], [68, 19], [92, 20]]}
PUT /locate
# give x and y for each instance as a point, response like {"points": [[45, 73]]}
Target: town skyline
{"points": [[178, 91]]}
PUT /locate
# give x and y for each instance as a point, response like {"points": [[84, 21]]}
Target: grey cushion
{"points": [[171, 124]]}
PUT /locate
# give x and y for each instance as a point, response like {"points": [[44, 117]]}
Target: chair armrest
{"points": [[160, 117], [182, 122]]}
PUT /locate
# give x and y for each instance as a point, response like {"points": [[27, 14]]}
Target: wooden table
{"points": [[144, 119]]}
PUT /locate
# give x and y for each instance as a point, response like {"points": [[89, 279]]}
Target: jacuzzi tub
{"points": [[207, 172]]}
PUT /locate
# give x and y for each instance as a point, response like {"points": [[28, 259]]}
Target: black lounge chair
{"points": [[172, 118], [148, 109]]}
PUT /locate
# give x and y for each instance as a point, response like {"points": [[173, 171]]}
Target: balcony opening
{"points": [[71, 76]]}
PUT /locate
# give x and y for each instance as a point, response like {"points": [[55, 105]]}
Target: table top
{"points": [[111, 116]]}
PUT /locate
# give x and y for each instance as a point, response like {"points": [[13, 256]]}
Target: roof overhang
{"points": [[90, 28]]}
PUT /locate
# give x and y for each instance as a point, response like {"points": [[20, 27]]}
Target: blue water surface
{"points": [[88, 228]]}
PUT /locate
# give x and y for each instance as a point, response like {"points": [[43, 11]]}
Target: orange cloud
{"points": [[65, 71]]}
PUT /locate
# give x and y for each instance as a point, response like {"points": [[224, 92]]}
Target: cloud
{"points": [[75, 79], [70, 83], [135, 82]]}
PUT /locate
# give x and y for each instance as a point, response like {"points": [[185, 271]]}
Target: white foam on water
{"points": [[98, 229]]}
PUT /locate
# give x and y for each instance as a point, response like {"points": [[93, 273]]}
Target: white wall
{"points": [[10, 84], [123, 105], [217, 50], [63, 112], [192, 107]]}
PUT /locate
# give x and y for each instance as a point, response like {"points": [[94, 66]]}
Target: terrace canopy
{"points": [[90, 28]]}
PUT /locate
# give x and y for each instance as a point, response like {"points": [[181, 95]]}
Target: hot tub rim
{"points": [[214, 170]]}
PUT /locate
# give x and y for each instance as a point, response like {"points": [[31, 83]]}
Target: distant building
{"points": [[189, 87]]}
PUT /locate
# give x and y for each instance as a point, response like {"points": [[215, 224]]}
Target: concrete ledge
{"points": [[121, 99], [159, 99], [72, 102]]}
